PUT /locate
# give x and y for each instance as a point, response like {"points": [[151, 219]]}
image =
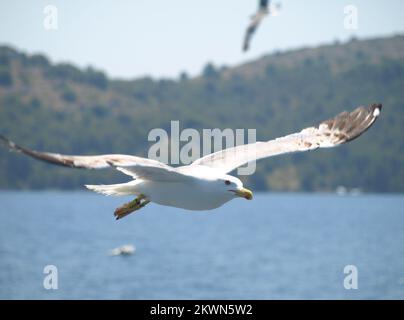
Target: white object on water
{"points": [[126, 249], [341, 190]]}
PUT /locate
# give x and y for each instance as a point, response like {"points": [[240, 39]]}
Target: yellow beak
{"points": [[244, 193]]}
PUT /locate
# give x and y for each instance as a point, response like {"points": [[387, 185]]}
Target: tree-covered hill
{"points": [[61, 108]]}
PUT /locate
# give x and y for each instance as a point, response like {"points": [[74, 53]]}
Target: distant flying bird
{"points": [[205, 184], [264, 8]]}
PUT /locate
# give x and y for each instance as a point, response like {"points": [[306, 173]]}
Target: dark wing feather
{"points": [[83, 162]]}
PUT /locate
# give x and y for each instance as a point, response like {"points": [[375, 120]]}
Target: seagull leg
{"points": [[131, 206]]}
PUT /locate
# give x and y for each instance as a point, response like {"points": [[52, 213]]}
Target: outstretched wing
{"points": [[255, 22], [252, 27], [82, 162], [137, 167], [330, 133], [247, 38]]}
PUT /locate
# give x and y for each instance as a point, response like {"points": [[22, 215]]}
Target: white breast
{"points": [[195, 196]]}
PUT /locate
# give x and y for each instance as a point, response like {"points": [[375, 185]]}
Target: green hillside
{"points": [[60, 108]]}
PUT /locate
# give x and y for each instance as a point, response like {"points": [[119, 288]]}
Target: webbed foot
{"points": [[131, 206]]}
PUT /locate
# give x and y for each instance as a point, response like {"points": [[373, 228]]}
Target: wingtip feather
{"points": [[376, 108], [8, 143], [348, 126]]}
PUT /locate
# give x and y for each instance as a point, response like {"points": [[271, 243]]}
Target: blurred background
{"points": [[102, 74], [110, 72]]}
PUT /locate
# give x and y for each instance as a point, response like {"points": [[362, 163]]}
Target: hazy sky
{"points": [[132, 38]]}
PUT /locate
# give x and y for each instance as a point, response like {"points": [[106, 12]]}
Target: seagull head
{"points": [[218, 185], [235, 187]]}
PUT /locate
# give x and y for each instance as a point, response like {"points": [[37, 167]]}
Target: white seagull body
{"points": [[190, 187], [206, 184]]}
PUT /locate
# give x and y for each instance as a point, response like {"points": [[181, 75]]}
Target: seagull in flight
{"points": [[206, 183], [264, 8]]}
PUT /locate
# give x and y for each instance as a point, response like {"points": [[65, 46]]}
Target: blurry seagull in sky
{"points": [[264, 8], [205, 184]]}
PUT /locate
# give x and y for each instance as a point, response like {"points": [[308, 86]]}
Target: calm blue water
{"points": [[279, 246]]}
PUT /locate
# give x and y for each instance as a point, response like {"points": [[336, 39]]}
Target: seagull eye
{"points": [[227, 182]]}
